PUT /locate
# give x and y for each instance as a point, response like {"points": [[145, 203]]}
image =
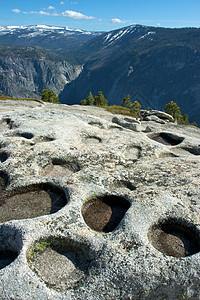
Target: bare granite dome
{"points": [[97, 206]]}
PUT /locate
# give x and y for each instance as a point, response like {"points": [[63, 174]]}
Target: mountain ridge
{"points": [[154, 65]]}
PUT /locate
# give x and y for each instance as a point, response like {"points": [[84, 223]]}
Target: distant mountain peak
{"points": [[43, 28]]}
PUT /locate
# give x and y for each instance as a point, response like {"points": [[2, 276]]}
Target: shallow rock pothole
{"points": [[60, 167], [173, 238], [26, 135], [61, 263], [120, 184], [30, 202], [104, 213], [92, 140], [167, 139], [133, 153]]}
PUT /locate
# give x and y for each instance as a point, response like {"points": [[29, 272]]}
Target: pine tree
{"points": [[127, 101], [136, 108], [173, 109], [83, 102], [49, 96], [90, 99], [100, 100]]}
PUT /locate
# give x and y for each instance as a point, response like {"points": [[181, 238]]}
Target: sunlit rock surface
{"points": [[117, 209]]}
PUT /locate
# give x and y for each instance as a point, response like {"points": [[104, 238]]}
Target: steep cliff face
{"points": [[154, 66], [28, 77]]}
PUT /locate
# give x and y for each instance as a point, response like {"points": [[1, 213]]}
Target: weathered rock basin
{"points": [[30, 202], [104, 213], [166, 138], [174, 238], [96, 209], [61, 263]]}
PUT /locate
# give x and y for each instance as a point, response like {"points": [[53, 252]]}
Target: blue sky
{"points": [[101, 15]]}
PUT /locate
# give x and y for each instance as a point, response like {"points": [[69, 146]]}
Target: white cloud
{"points": [[75, 2], [44, 13], [16, 10], [115, 20], [158, 24], [68, 14], [75, 15], [51, 7], [62, 2]]}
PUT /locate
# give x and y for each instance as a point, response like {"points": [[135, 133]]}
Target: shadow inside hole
{"points": [[71, 165], [122, 184], [9, 122], [79, 260], [30, 202], [6, 258], [167, 139], [104, 213], [4, 181], [194, 151], [174, 239], [3, 156], [26, 135], [58, 197], [60, 167]]}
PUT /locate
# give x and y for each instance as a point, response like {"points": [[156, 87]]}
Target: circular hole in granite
{"points": [[61, 263], [175, 238], [104, 213], [3, 156], [60, 167], [92, 140], [122, 184], [166, 138], [133, 153], [30, 202]]}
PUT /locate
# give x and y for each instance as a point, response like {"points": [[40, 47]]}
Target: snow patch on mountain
{"points": [[147, 34], [112, 37], [35, 30]]}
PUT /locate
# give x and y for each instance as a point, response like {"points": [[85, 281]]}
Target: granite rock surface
{"points": [[66, 169]]}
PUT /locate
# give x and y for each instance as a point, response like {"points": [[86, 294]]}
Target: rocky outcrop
{"points": [[90, 209], [160, 114], [28, 77]]}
